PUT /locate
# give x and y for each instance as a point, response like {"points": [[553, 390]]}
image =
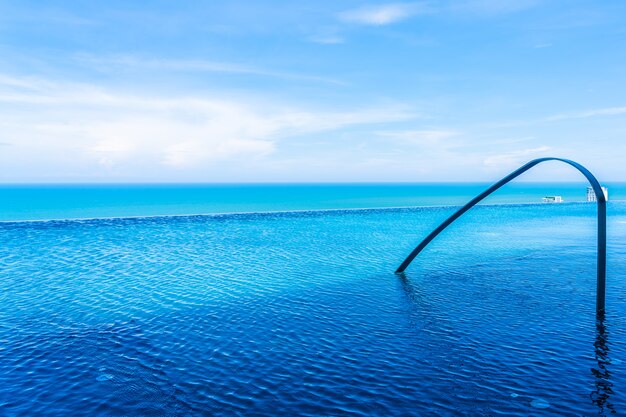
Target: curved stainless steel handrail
{"points": [[601, 200]]}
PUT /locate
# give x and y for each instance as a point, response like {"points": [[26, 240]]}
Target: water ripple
{"points": [[300, 314]]}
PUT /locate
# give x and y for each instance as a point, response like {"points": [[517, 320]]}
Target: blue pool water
{"points": [[300, 313]]}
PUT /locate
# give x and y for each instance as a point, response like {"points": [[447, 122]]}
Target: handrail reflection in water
{"points": [[603, 385]]}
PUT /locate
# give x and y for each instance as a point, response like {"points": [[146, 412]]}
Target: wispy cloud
{"points": [[109, 131], [11, 83], [491, 7], [383, 14], [45, 15], [607, 111], [585, 114], [513, 158], [420, 136], [194, 65], [327, 40], [389, 13]]}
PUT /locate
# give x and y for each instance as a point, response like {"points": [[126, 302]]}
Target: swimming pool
{"points": [[300, 313]]}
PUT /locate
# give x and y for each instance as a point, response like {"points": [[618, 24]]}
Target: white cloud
{"points": [[327, 40], [608, 111], [586, 114], [383, 14], [193, 152], [513, 158], [132, 62], [491, 7], [103, 131], [434, 136]]}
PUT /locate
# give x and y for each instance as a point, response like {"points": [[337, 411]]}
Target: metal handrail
{"points": [[601, 200]]}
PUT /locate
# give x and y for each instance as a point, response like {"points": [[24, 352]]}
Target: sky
{"points": [[310, 91]]}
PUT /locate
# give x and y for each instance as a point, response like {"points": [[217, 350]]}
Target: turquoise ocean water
{"points": [[44, 202]]}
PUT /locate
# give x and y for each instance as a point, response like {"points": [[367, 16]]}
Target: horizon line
{"points": [[10, 184]]}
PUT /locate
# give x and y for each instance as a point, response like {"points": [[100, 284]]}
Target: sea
{"points": [[81, 201], [282, 300]]}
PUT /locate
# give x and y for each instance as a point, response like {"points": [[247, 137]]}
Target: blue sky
{"points": [[282, 91]]}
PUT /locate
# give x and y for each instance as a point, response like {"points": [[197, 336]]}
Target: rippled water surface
{"points": [[301, 314]]}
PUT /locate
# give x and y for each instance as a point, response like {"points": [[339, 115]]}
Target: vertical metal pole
{"points": [[601, 286]]}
